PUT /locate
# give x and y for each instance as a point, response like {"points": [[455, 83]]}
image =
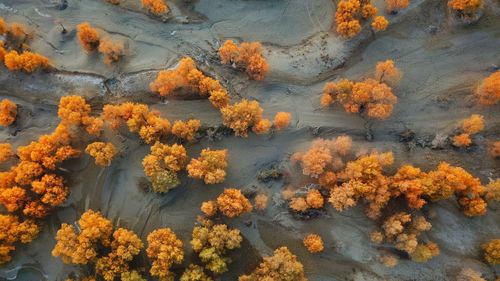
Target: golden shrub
{"points": [[164, 250], [6, 152], [313, 243], [380, 23], [186, 130], [88, 36], [488, 92], [282, 120], [156, 7], [210, 166], [233, 203], [492, 251], [102, 152], [248, 55], [113, 51]]}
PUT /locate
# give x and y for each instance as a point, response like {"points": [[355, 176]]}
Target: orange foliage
{"points": [[395, 5], [75, 111], [375, 97], [387, 72], [51, 189], [112, 51], [186, 76], [186, 130], [17, 32], [233, 203], [26, 61], [314, 199], [474, 124], [322, 155], [461, 140], [389, 260], [363, 178], [466, 8], [6, 152], [8, 112], [282, 120], [13, 198], [298, 204], [493, 191], [261, 201], [495, 149], [492, 251], [102, 152], [488, 92], [156, 7], [150, 126], [350, 13], [210, 166], [12, 230], [248, 55], [262, 126], [81, 247], [211, 242], [209, 208], [380, 23], [162, 165], [313, 243], [468, 274], [283, 266], [242, 116], [3, 27], [164, 249], [2, 51], [88, 36]]}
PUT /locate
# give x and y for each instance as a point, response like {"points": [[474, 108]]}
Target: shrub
{"points": [[313, 243], [102, 152], [488, 92], [8, 112], [210, 166], [248, 55]]}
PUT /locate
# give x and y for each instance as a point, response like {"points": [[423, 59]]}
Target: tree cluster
{"points": [[186, 129], [492, 251], [470, 126], [92, 39], [164, 250], [393, 6], [312, 200], [212, 241], [102, 152], [155, 7], [188, 78], [94, 241], [15, 53], [282, 266], [231, 203], [466, 9], [350, 14], [247, 55], [12, 231], [372, 96]]}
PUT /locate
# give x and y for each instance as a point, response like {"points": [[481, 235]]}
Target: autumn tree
{"points": [[492, 251], [282, 266], [323, 156], [186, 129], [242, 116], [313, 243], [12, 231], [373, 97], [113, 51], [155, 7], [80, 246], [188, 78], [75, 111], [494, 149], [164, 250], [468, 274], [261, 201], [138, 118], [282, 120], [195, 273], [351, 13], [472, 125], [493, 191], [6, 152], [162, 165], [102, 152], [393, 6], [488, 92], [212, 241], [8, 112], [210, 166], [25, 61], [466, 9], [230, 203], [88, 36], [380, 23], [247, 55]]}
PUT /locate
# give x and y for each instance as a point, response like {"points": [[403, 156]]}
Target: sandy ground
{"points": [[441, 70]]}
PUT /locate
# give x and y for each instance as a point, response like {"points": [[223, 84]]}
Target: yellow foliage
{"points": [[211, 242], [210, 166], [12, 230], [162, 165], [474, 124], [195, 273], [102, 152], [493, 191], [314, 199], [387, 72], [75, 111], [209, 208], [242, 116], [492, 251], [51, 189]]}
